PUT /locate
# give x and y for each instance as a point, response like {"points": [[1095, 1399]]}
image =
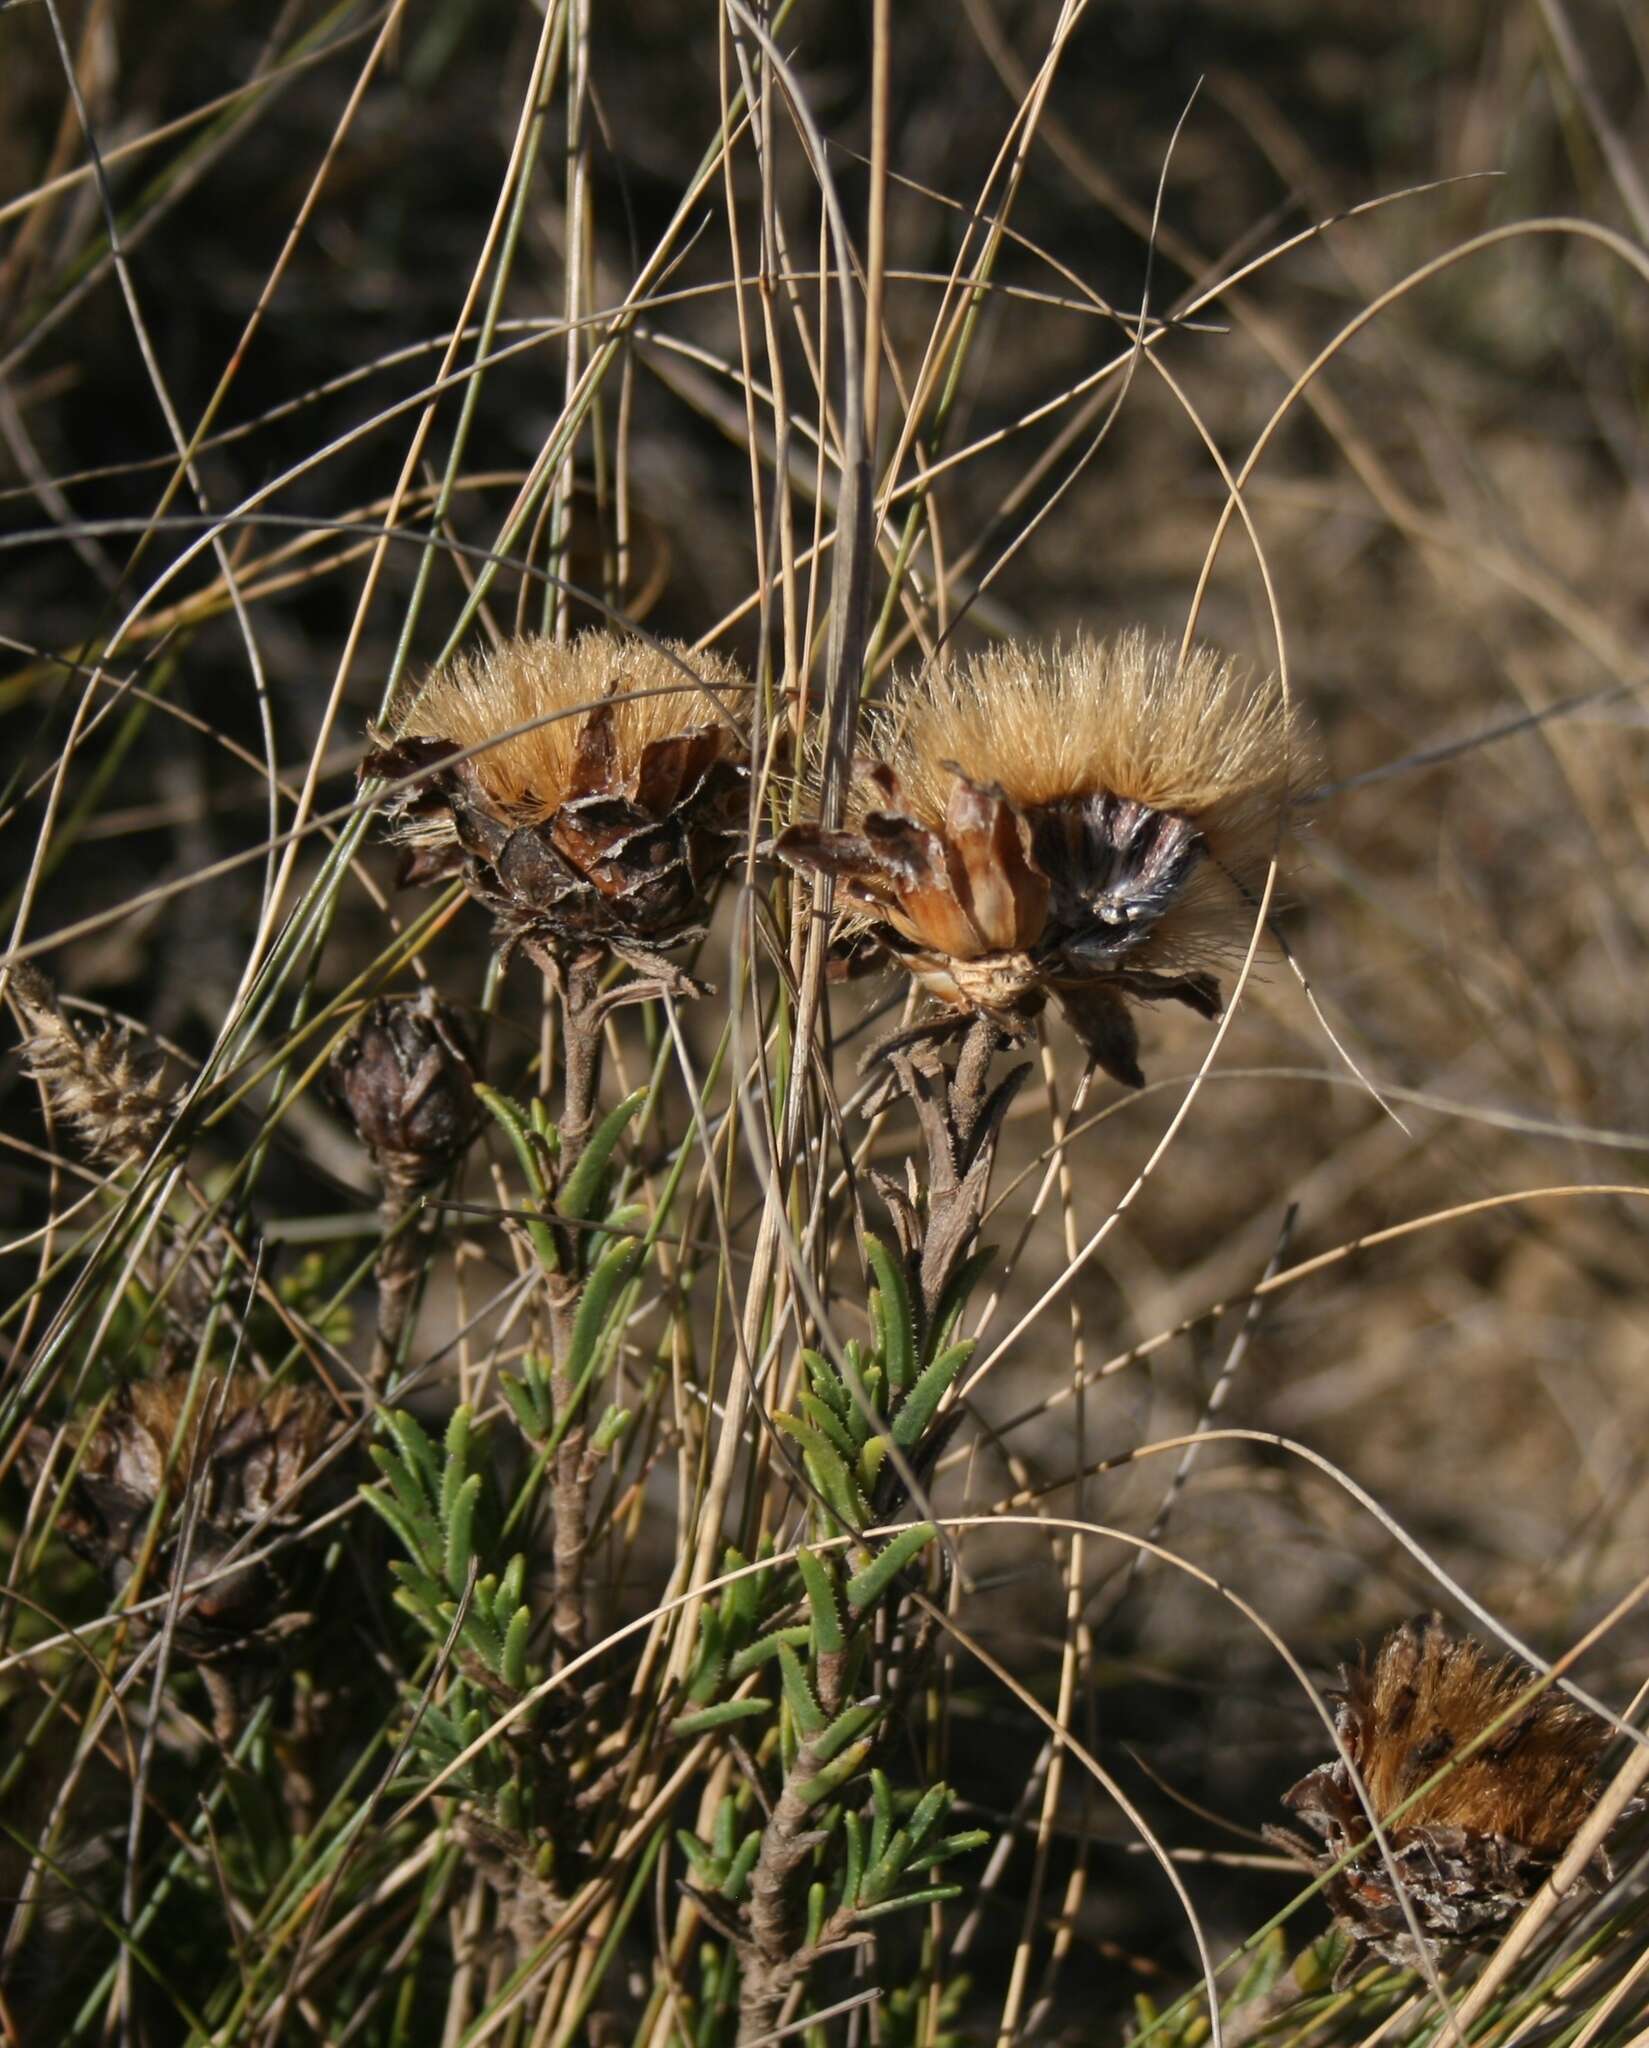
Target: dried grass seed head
{"points": [[1090, 821], [1473, 1847], [588, 793], [98, 1081]]}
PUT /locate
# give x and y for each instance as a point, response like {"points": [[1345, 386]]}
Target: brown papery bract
{"points": [[1089, 822]]}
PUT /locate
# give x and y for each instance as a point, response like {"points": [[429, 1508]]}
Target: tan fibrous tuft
{"points": [[97, 1082], [1459, 1858], [1428, 1697], [1123, 717], [528, 775]]}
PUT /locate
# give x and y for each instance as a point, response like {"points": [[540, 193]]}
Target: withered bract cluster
{"points": [[237, 1456], [1088, 823], [1473, 1848], [588, 793]]}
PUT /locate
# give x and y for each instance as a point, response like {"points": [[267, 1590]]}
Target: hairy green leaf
{"points": [[580, 1198], [868, 1586], [719, 1716]]}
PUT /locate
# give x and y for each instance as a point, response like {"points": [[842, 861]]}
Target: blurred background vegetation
{"points": [[1456, 516]]}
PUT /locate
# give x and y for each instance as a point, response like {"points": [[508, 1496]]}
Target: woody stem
{"points": [[581, 1031], [578, 980], [769, 1957], [401, 1256]]}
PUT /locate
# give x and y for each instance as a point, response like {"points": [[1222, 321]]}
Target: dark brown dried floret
{"points": [[606, 826], [1471, 1850], [1089, 824]]}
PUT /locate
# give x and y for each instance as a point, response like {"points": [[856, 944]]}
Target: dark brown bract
{"points": [[1471, 1850], [588, 794], [406, 1080], [1090, 824]]}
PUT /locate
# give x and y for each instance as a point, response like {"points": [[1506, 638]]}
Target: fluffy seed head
{"points": [[1123, 717], [1090, 822], [648, 697], [1472, 1849], [607, 821], [1427, 1696], [97, 1082]]}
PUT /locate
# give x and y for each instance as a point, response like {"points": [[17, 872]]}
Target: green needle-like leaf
{"points": [[461, 1531], [931, 1895], [719, 1716], [754, 1655], [827, 1383], [825, 1419], [834, 1775], [417, 1449], [868, 1586], [596, 1306], [514, 1123], [853, 1869], [456, 1469], [820, 1584], [894, 1315], [512, 1666], [743, 1862], [809, 1715], [922, 1402], [849, 1724], [580, 1198], [407, 1532], [704, 1681]]}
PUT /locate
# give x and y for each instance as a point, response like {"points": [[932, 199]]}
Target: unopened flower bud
{"points": [[405, 1078]]}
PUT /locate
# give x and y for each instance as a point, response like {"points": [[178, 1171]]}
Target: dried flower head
{"points": [[406, 1080], [242, 1452], [97, 1082], [1473, 1848], [1089, 822], [605, 825]]}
